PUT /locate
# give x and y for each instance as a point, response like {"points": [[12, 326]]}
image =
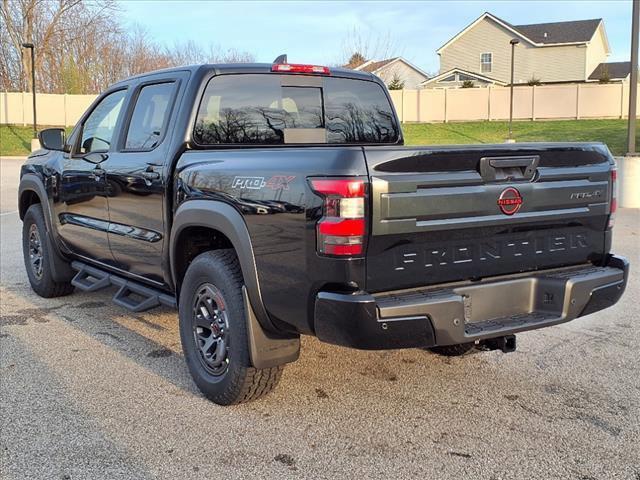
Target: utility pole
{"points": [[513, 43], [31, 47], [633, 82]]}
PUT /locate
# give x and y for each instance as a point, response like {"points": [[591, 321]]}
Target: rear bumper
{"points": [[461, 313]]}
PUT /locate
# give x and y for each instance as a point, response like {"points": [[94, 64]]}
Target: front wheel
{"points": [[37, 260], [213, 332]]}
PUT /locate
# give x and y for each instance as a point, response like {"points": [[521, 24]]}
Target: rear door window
{"points": [[259, 109], [150, 115]]}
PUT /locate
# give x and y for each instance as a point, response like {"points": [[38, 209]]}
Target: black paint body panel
{"points": [[419, 200], [269, 188]]}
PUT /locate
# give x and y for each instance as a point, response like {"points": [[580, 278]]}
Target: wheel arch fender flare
{"points": [[60, 267], [32, 183], [224, 218]]}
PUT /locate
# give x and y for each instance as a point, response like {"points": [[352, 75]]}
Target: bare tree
{"points": [[48, 25], [355, 60], [190, 53], [81, 47], [373, 46]]}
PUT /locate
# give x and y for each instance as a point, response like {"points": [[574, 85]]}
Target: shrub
{"points": [[396, 83]]}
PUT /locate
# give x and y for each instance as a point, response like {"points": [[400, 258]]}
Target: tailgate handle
{"points": [[509, 168]]}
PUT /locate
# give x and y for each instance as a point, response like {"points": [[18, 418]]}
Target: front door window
{"points": [[100, 125]]}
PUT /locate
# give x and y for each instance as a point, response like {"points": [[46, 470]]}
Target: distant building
{"points": [[615, 71], [456, 77], [572, 51], [410, 75]]}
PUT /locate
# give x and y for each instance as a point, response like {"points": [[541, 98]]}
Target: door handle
{"points": [[97, 173], [509, 168], [151, 175]]}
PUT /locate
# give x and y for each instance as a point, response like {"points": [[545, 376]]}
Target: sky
{"points": [[315, 31]]}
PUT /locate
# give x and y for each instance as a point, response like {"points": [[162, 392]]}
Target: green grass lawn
{"points": [[611, 132], [15, 140]]}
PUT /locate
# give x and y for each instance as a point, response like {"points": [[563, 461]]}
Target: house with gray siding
{"points": [[572, 51], [395, 68]]}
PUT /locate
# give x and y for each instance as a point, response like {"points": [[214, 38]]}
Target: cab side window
{"points": [[150, 116], [100, 125]]}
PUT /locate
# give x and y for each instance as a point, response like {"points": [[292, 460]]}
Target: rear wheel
{"points": [[37, 260], [453, 350], [214, 335]]}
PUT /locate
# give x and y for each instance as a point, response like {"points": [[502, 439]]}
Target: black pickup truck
{"points": [[266, 201]]}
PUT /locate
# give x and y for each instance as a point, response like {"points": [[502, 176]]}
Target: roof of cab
{"points": [[230, 68]]}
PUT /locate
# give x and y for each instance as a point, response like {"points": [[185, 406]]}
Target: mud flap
{"points": [[60, 269], [268, 350]]}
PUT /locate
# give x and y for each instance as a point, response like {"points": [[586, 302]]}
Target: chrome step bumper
{"points": [[470, 311], [498, 307]]}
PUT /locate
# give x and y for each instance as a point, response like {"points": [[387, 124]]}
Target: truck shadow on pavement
{"points": [[66, 431], [414, 397], [152, 341]]}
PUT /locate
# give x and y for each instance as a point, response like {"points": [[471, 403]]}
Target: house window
{"points": [[450, 78], [486, 62]]}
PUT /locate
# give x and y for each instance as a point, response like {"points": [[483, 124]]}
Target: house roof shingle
{"points": [[541, 34], [616, 70], [452, 71], [560, 32], [373, 66]]}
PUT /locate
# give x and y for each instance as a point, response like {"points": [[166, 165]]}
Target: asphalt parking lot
{"points": [[89, 390]]}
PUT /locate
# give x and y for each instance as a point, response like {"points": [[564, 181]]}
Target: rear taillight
{"points": [[341, 230], [614, 197], [298, 68]]}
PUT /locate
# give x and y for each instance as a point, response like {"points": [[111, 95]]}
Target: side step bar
{"points": [[266, 350], [131, 295]]}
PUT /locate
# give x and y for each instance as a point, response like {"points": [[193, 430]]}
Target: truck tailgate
{"points": [[441, 214]]}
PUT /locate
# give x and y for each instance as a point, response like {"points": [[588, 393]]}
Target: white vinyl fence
{"points": [[427, 105], [529, 103], [52, 109]]}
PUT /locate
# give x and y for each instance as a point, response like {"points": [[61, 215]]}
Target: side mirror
{"points": [[52, 138]]}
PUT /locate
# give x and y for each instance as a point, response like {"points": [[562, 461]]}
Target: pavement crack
{"points": [[459, 454]]}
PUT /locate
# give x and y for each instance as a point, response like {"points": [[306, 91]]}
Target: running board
{"points": [[131, 295]]}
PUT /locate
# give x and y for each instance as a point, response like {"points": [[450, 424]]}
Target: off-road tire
{"points": [[240, 382], [453, 350], [42, 283]]}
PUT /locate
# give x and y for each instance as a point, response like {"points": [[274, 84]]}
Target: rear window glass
{"points": [[257, 109]]}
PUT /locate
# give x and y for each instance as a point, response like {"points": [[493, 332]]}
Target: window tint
{"points": [[303, 107], [149, 116], [256, 109], [358, 112], [100, 125]]}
